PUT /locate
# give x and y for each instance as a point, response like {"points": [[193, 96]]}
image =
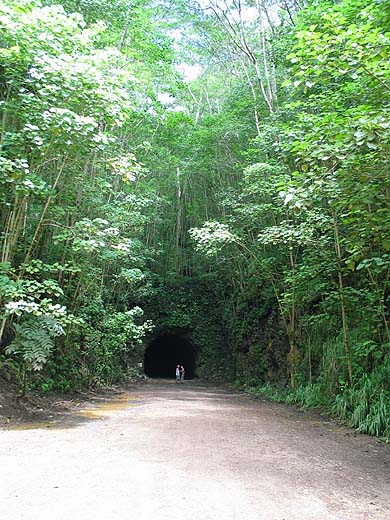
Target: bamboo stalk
{"points": [[337, 247], [43, 213]]}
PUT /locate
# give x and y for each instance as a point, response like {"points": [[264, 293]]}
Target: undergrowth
{"points": [[365, 406]]}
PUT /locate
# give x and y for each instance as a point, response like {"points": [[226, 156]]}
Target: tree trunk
{"points": [[179, 216], [347, 347]]}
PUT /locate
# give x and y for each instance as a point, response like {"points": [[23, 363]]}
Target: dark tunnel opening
{"points": [[167, 351]]}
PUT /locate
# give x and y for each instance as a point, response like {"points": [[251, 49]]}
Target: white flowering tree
{"points": [[67, 101]]}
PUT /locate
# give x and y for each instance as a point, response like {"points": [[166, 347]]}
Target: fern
{"points": [[34, 340]]}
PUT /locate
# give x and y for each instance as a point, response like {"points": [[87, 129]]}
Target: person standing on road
{"points": [[177, 373], [182, 373]]}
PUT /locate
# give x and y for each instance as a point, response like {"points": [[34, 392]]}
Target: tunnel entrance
{"points": [[165, 352]]}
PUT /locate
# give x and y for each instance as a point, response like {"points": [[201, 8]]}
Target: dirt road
{"points": [[168, 452]]}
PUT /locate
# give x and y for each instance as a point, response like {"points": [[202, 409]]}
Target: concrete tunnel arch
{"points": [[168, 349]]}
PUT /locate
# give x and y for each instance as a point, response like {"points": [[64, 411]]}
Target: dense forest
{"points": [[219, 168]]}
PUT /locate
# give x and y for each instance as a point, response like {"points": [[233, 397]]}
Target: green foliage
{"points": [[268, 391], [9, 369], [109, 343], [189, 305], [34, 340], [247, 206], [70, 101], [308, 224], [307, 396], [345, 40], [366, 405]]}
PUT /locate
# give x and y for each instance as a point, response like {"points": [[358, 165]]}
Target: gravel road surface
{"points": [[196, 452]]}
